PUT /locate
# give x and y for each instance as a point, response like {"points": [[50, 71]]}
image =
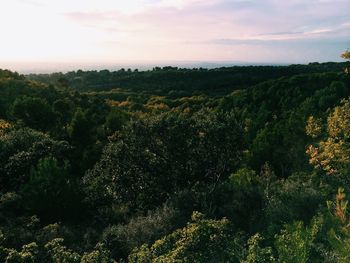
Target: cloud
{"points": [[225, 25], [181, 29]]}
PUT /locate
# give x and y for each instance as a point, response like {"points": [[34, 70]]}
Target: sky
{"points": [[102, 32]]}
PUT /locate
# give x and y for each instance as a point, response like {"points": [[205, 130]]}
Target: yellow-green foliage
{"points": [[244, 178], [28, 254], [313, 127], [346, 55], [339, 234], [256, 253], [332, 154], [202, 240], [295, 241], [99, 255], [59, 253], [4, 126]]}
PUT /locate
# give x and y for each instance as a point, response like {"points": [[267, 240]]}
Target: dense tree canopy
{"points": [[239, 164]]}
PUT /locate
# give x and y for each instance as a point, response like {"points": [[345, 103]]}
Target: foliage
{"points": [[122, 239], [339, 234], [20, 150], [256, 253], [346, 55], [295, 242], [157, 156], [313, 127], [34, 112], [202, 240], [99, 166], [50, 192], [292, 199], [59, 253], [332, 154], [28, 254]]}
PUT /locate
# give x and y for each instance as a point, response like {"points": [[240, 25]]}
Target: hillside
{"points": [[239, 164]]}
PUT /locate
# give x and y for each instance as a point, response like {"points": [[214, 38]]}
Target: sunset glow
{"points": [[107, 31]]}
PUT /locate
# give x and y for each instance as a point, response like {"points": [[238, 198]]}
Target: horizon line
{"points": [[41, 67]]}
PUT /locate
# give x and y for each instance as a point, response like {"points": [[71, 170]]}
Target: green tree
{"points": [[295, 242], [115, 121], [123, 238], [59, 253], [20, 150], [28, 254], [346, 55], [339, 233], [258, 254], [50, 193], [34, 112], [80, 129], [332, 153], [155, 156], [99, 255], [202, 240]]}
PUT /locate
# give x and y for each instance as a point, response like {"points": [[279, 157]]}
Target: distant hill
{"points": [[184, 81]]}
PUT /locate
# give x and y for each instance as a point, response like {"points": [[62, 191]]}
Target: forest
{"points": [[234, 164]]}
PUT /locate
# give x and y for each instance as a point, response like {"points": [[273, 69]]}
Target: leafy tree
{"points": [[295, 242], [202, 240], [79, 129], [115, 121], [346, 55], [154, 157], [297, 198], [63, 110], [258, 254], [99, 255], [313, 127], [339, 233], [20, 150], [34, 112], [332, 153], [59, 253], [123, 238], [50, 191], [28, 254], [4, 127]]}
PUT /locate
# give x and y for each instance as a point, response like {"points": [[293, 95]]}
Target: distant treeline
{"points": [[180, 81]]}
